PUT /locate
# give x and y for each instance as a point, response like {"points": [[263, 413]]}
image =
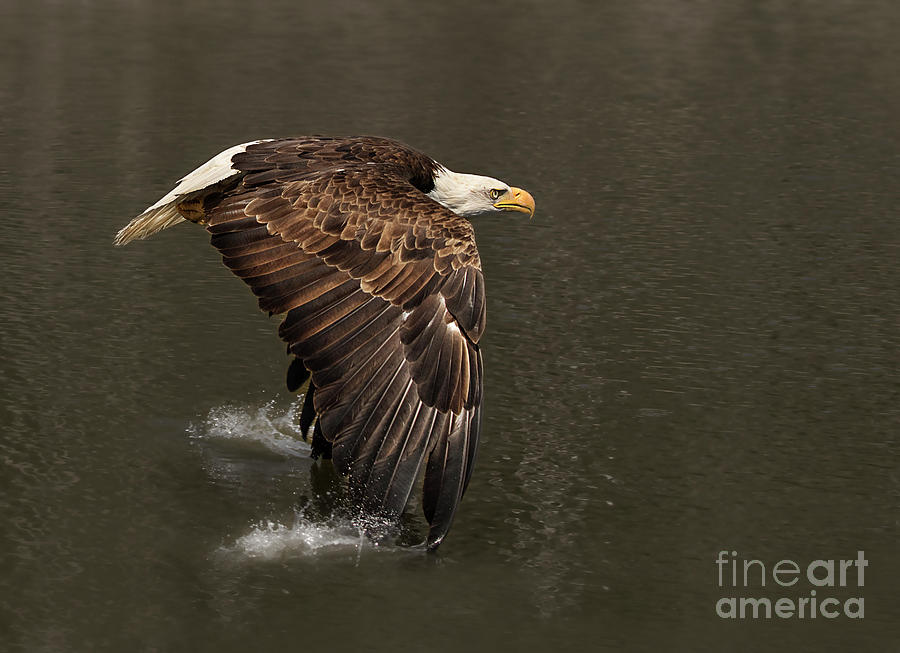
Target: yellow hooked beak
{"points": [[516, 199]]}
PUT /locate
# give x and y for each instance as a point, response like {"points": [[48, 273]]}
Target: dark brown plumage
{"points": [[383, 301]]}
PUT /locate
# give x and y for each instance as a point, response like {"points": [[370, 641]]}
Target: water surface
{"points": [[691, 348]]}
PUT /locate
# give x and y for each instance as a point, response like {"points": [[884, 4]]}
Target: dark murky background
{"points": [[693, 346]]}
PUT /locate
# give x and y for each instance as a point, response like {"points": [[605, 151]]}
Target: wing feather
{"points": [[339, 367], [391, 424], [447, 473], [322, 312], [262, 263], [401, 463], [308, 414], [319, 337], [241, 223], [389, 389], [240, 239], [341, 392]]}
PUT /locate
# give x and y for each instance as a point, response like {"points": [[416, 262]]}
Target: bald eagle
{"points": [[365, 247]]}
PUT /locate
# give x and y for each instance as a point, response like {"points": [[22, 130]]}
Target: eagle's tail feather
{"points": [[165, 212], [151, 221]]}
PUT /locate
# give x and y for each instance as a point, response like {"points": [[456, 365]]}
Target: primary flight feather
{"points": [[365, 246]]}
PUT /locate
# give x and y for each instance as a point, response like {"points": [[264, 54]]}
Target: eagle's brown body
{"points": [[383, 300]]}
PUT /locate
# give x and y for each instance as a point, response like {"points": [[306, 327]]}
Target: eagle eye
{"points": [[495, 194]]}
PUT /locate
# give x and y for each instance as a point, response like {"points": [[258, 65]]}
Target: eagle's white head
{"points": [[469, 195]]}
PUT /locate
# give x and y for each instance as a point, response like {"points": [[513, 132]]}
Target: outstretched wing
{"points": [[383, 298]]}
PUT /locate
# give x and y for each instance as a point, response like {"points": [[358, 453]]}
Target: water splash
{"points": [[337, 535], [270, 426], [231, 438]]}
